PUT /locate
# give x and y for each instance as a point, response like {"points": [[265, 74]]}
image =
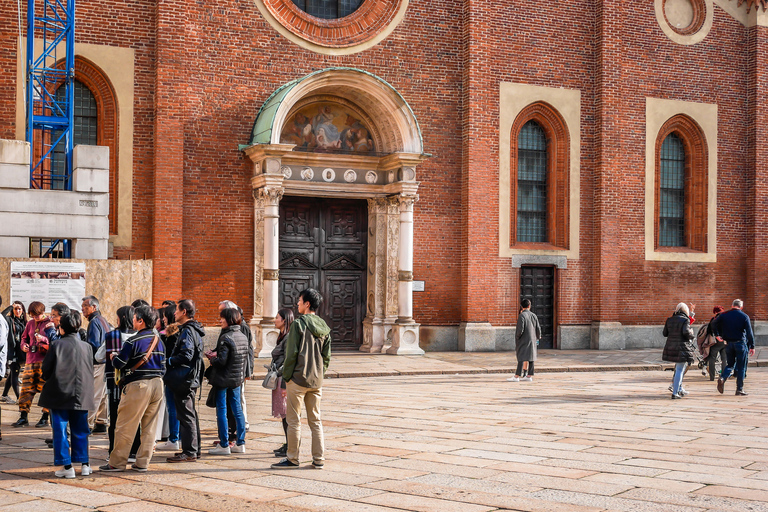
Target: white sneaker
{"points": [[238, 448], [167, 446], [85, 470], [527, 378], [131, 460], [513, 379], [220, 451], [683, 392], [65, 473]]}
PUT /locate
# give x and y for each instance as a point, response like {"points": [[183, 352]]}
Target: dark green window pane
{"points": [[328, 9], [84, 131], [672, 192], [532, 184]]}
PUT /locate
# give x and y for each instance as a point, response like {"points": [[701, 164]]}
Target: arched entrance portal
{"points": [[334, 179]]}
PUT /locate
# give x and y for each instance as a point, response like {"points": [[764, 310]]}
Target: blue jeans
{"points": [[78, 427], [736, 352], [677, 380], [229, 396], [173, 422]]}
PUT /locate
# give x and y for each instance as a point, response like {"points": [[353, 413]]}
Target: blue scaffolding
{"points": [[50, 112]]}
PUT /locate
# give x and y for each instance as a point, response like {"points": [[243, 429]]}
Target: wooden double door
{"points": [[538, 285], [324, 245]]}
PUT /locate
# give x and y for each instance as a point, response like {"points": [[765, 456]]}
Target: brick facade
{"points": [[203, 72]]}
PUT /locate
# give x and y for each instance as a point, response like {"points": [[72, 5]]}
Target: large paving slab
{"points": [[465, 441]]}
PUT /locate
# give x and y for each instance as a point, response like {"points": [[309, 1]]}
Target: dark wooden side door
{"points": [[538, 285], [323, 245]]}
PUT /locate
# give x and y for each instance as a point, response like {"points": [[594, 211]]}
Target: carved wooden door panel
{"points": [[323, 244], [538, 285]]}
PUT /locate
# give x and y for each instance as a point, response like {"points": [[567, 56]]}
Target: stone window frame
{"points": [[367, 26], [702, 21], [696, 183], [556, 133], [117, 66], [514, 99], [696, 124]]}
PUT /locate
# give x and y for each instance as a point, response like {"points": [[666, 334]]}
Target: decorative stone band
{"points": [[271, 275], [404, 275]]}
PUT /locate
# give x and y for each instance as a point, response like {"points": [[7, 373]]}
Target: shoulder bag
{"points": [[270, 379], [120, 375]]}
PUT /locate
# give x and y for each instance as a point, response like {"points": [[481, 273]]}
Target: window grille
{"points": [[50, 248], [84, 131], [532, 184], [672, 193], [328, 9]]}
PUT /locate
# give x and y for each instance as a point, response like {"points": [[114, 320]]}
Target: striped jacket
{"points": [[133, 351]]}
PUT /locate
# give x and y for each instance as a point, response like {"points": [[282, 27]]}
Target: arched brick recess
{"points": [[107, 135], [558, 167], [696, 180], [360, 26]]}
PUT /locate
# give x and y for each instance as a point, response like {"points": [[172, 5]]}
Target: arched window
{"points": [[539, 184], [681, 186], [672, 192], [532, 184], [84, 131], [328, 9]]}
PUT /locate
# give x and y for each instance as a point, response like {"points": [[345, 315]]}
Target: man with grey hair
{"points": [[246, 330], [735, 329], [98, 327]]}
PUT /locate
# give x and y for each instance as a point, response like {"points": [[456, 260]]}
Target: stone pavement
{"points": [[570, 441]]}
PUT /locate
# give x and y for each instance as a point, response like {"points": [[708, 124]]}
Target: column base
{"points": [[405, 340], [477, 337], [374, 336], [266, 338], [607, 336]]}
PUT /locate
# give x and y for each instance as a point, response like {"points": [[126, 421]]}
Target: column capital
{"points": [[407, 202], [268, 196]]}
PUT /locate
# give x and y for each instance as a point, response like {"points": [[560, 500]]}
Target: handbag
{"points": [[270, 379], [120, 375], [101, 353]]}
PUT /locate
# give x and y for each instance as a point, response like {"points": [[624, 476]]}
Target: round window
{"points": [[685, 16], [328, 9]]}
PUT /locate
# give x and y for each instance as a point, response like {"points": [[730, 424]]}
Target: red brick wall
{"points": [[202, 73]]}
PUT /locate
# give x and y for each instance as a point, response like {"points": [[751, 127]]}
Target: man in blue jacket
{"points": [[98, 327], [735, 329]]}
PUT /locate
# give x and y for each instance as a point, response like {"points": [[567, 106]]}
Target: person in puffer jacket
{"points": [[680, 346], [229, 363]]}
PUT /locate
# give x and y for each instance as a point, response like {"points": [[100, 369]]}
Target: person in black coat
{"points": [[229, 368], [68, 393], [680, 346], [16, 316]]}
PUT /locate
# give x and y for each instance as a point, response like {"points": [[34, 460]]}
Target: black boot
{"points": [[43, 421], [282, 451], [22, 421]]}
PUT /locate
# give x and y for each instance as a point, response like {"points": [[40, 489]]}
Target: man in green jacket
{"points": [[307, 354]]}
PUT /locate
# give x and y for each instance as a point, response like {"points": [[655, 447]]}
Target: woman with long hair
{"points": [[17, 320], [283, 321], [680, 346]]}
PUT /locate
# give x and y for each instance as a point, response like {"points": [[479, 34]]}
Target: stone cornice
{"points": [[749, 13]]}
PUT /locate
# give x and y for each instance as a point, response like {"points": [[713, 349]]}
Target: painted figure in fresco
{"points": [[319, 132], [299, 132]]}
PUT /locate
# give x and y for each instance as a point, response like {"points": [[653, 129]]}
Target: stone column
{"points": [[405, 339], [266, 331], [374, 330]]}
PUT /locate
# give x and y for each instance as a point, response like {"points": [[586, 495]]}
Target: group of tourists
{"points": [[728, 335], [137, 382]]}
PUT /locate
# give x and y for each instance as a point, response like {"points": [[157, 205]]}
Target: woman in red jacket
{"points": [[34, 341]]}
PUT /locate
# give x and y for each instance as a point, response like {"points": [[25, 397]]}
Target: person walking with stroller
{"points": [[679, 348]]}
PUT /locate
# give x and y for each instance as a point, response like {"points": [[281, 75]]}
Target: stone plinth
{"points": [[607, 336], [477, 337]]}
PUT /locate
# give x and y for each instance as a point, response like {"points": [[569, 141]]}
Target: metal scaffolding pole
{"points": [[50, 92]]}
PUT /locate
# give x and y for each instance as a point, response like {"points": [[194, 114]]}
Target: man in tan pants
{"points": [[307, 355], [142, 361]]}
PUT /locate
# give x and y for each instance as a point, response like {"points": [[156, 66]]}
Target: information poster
{"points": [[48, 282]]}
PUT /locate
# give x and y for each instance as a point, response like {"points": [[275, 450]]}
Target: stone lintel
{"points": [[518, 260]]}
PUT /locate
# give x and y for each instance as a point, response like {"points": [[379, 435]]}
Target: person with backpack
{"points": [[679, 348], [185, 371]]}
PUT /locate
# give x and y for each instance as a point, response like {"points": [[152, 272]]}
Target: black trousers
{"points": [[113, 398], [189, 423], [12, 379], [520, 368]]}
